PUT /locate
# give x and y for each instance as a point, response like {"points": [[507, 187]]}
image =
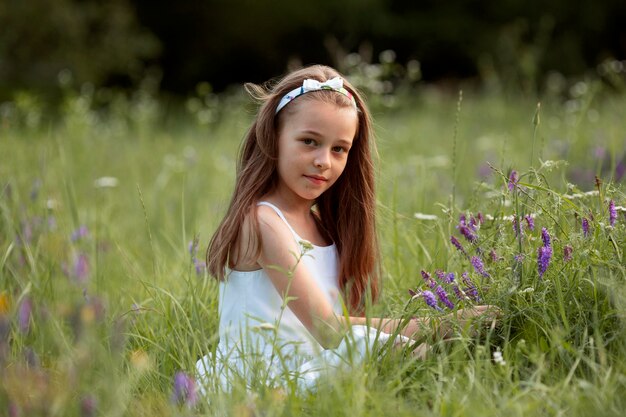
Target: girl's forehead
{"points": [[304, 106]]}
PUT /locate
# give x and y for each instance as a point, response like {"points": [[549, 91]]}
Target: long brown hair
{"points": [[346, 210]]}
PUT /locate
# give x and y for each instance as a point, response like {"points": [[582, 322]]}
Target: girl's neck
{"points": [[293, 206]]}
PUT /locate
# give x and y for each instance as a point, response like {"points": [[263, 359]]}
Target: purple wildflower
{"points": [[459, 292], [479, 267], [200, 267], [443, 297], [88, 406], [467, 233], [544, 254], [473, 223], [449, 279], [530, 222], [612, 213], [517, 226], [493, 255], [457, 244], [513, 179], [440, 274], [585, 223], [427, 278], [81, 268], [80, 233], [184, 390], [519, 258], [24, 314], [545, 236], [567, 253], [430, 300], [470, 290], [480, 218]]}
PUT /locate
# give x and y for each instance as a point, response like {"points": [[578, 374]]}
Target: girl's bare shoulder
{"points": [[260, 228]]}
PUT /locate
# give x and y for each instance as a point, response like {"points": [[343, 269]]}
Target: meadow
{"points": [[106, 211]]}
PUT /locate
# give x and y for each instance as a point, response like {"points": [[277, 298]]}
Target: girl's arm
{"points": [[309, 302]]}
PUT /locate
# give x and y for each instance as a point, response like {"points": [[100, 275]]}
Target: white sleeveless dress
{"points": [[263, 342]]}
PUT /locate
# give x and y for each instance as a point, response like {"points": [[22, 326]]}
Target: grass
{"points": [[99, 323]]}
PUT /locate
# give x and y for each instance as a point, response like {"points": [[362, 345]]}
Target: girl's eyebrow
{"points": [[314, 132]]}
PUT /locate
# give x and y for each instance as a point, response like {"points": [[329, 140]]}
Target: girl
{"points": [[298, 242]]}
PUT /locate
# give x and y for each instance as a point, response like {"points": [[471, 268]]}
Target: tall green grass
{"points": [[107, 335]]}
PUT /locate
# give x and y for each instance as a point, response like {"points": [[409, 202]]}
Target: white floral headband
{"points": [[334, 84]]}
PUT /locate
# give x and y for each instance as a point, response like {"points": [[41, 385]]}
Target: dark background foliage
{"points": [[117, 42]]}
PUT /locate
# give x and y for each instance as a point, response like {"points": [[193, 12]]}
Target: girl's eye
{"points": [[339, 149], [308, 141]]}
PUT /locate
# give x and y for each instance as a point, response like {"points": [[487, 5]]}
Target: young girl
{"points": [[298, 242]]}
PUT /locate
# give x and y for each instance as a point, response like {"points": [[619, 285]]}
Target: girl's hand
{"points": [[470, 320]]}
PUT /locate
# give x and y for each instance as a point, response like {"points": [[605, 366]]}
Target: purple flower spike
{"points": [[430, 299], [193, 245], [545, 236], [467, 233], [480, 218], [427, 278], [80, 233], [457, 244], [443, 297], [513, 180], [517, 226], [479, 267], [473, 224], [544, 254], [449, 279], [88, 406], [493, 255], [567, 253], [81, 268], [470, 290], [184, 390], [24, 314], [200, 267], [585, 227], [530, 222], [459, 293], [612, 213]]}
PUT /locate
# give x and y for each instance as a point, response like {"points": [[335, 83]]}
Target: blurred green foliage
{"points": [[47, 43], [512, 44]]}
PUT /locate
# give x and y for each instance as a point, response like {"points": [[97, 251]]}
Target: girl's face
{"points": [[314, 139]]}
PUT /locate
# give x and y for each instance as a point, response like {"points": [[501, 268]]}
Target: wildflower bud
{"points": [[430, 300], [585, 224], [513, 179], [612, 213], [443, 297], [530, 222], [457, 244], [567, 253], [545, 236], [544, 254], [477, 263], [184, 392]]}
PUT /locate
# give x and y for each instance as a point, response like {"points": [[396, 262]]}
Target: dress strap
{"points": [[282, 216]]}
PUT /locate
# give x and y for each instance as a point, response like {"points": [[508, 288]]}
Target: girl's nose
{"points": [[322, 159]]}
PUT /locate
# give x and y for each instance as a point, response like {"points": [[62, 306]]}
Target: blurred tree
{"points": [[505, 42], [97, 41]]}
